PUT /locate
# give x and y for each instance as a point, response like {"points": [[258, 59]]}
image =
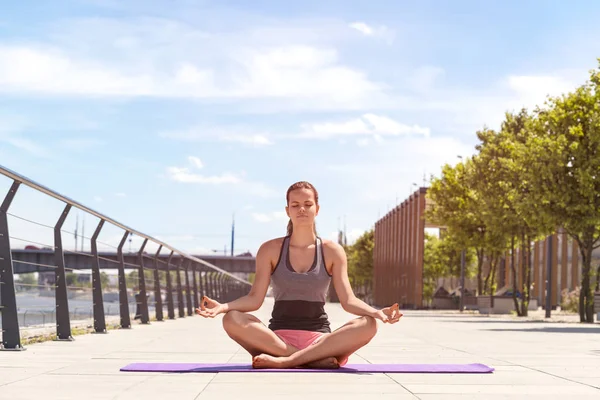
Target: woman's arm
{"points": [[341, 283], [255, 298], [348, 300]]}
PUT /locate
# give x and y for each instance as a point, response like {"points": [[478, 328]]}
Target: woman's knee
{"points": [[232, 319], [235, 320], [369, 325]]}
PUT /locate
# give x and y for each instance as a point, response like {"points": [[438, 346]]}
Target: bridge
{"points": [[42, 260]]}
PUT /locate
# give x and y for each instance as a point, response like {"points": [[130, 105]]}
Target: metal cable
{"points": [[36, 264]]}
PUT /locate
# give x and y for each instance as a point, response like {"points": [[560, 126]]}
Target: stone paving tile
{"points": [[533, 359]]}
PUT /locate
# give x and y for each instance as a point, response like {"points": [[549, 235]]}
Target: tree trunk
{"points": [[514, 275], [480, 255], [526, 277], [493, 278], [586, 296], [488, 286], [487, 279], [523, 262]]}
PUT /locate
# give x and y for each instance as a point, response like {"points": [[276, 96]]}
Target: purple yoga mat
{"points": [[348, 368]]}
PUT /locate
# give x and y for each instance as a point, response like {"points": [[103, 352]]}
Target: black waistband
{"points": [[299, 315]]}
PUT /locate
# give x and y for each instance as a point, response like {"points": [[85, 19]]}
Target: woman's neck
{"points": [[303, 237]]}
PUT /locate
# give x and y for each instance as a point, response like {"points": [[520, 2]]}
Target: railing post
{"points": [[222, 292], [144, 318], [63, 321], [201, 282], [188, 293], [170, 305], [212, 285], [195, 285], [11, 337], [157, 295], [99, 318], [123, 298], [179, 289]]}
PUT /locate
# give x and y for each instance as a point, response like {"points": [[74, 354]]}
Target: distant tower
{"points": [[76, 228]]}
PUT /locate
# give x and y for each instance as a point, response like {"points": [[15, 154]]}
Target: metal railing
{"points": [[206, 279]]}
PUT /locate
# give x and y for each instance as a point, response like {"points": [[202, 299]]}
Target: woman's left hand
{"points": [[390, 314]]}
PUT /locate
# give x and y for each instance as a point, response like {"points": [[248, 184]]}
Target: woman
{"points": [[300, 267]]}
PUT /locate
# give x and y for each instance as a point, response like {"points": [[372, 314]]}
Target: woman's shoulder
{"points": [[272, 245], [332, 248]]}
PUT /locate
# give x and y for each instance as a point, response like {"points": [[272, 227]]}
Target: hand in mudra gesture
{"points": [[390, 314], [209, 308]]}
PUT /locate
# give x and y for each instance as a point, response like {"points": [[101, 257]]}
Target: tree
{"points": [[360, 263], [457, 205], [510, 214], [441, 259], [27, 281], [104, 280], [565, 156]]}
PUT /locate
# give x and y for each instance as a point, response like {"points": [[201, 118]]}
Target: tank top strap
{"points": [[283, 253]]}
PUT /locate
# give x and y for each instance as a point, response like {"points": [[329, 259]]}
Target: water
{"points": [[35, 309]]}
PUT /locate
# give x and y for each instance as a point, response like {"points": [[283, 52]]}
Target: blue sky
{"points": [[172, 116]]}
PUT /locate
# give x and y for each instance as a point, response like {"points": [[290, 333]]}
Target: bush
{"points": [[570, 300]]}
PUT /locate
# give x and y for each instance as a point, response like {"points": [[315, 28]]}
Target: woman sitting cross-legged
{"points": [[300, 268]]}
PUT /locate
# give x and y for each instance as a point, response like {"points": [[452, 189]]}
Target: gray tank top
{"points": [[300, 297]]}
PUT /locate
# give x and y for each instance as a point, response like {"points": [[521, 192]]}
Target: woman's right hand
{"points": [[209, 308]]}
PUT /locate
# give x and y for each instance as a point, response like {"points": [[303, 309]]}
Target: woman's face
{"points": [[302, 207]]}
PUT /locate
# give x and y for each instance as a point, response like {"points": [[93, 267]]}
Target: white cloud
{"points": [[532, 90], [367, 125], [369, 30], [195, 161], [298, 72], [239, 181], [382, 174], [120, 194], [45, 70], [28, 145], [185, 176], [254, 140], [223, 134], [269, 217]]}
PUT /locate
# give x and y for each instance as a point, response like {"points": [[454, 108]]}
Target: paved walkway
{"points": [[533, 360]]}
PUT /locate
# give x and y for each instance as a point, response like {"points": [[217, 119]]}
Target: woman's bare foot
{"points": [[267, 361], [326, 363]]}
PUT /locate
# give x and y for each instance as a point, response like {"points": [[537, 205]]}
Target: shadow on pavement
{"points": [[552, 329]]}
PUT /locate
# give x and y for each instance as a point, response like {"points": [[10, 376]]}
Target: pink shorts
{"points": [[303, 339]]}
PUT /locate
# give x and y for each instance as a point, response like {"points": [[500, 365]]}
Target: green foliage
{"points": [[104, 279], [133, 283], [539, 173], [459, 205], [565, 155], [441, 259], [26, 280], [360, 263]]}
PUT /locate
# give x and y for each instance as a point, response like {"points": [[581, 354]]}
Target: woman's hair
{"points": [[300, 185]]}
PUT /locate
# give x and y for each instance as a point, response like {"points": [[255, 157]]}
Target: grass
{"points": [[76, 330]]}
